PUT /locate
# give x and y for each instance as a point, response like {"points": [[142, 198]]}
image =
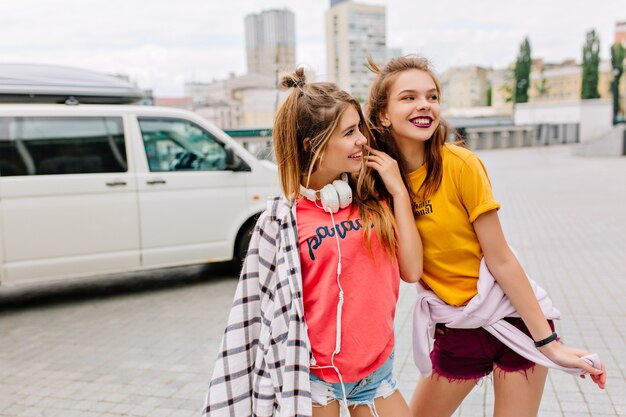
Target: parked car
{"points": [[95, 189]]}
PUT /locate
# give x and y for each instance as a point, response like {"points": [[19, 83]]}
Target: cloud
{"points": [[160, 43]]}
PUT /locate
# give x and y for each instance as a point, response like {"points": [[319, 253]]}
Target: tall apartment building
{"points": [[464, 87], [270, 41], [354, 31]]}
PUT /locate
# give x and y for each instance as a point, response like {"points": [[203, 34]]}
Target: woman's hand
{"points": [[573, 358], [409, 243], [388, 169]]}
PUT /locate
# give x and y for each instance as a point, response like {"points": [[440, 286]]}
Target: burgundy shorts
{"points": [[462, 354]]}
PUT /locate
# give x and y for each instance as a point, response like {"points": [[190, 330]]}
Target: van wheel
{"points": [[243, 241]]}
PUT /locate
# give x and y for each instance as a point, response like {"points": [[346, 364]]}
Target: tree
{"points": [[521, 72], [618, 53], [591, 64], [543, 86]]}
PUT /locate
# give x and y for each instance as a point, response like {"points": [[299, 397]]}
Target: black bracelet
{"points": [[547, 340]]}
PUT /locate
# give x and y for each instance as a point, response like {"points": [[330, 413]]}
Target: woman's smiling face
{"points": [[344, 151], [412, 111]]}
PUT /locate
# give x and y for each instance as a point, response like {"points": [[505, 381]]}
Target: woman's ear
{"points": [[305, 143], [384, 120]]}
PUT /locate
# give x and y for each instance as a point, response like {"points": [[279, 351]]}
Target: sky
{"points": [[161, 44]]}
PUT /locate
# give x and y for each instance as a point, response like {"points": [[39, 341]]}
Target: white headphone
{"points": [[333, 196]]}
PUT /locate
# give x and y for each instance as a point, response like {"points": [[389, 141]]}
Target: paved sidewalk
{"points": [[151, 352]]}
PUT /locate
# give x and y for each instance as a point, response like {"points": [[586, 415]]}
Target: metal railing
{"points": [[496, 137], [486, 137]]}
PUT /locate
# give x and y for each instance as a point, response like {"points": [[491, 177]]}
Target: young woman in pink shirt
{"points": [[334, 246]]}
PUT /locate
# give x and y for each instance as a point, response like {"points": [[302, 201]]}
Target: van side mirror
{"points": [[233, 163]]}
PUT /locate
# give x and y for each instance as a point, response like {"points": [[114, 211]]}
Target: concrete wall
{"points": [[594, 116], [611, 144]]}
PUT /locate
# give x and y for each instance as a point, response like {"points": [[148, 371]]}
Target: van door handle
{"points": [[156, 181], [116, 183]]}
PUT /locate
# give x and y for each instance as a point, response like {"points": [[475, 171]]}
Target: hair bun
{"points": [[293, 80], [291, 83]]}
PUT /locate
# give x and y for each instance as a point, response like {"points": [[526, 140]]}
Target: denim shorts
{"points": [[380, 383], [466, 354]]}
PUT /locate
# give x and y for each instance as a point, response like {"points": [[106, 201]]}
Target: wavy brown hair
{"points": [[312, 112], [377, 103]]}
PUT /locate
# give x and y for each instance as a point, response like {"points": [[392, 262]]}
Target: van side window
{"points": [[180, 145], [61, 145]]}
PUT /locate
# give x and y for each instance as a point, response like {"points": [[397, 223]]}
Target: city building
{"points": [[464, 87], [270, 41], [184, 103], [248, 100], [354, 32], [551, 82], [500, 81]]}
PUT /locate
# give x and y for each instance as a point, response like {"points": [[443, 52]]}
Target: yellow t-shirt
{"points": [[452, 252]]}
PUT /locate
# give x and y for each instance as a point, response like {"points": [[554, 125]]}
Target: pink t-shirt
{"points": [[370, 284]]}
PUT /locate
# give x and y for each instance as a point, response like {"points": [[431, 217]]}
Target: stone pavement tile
{"points": [[601, 408], [115, 397], [15, 410], [153, 402], [86, 405], [8, 400], [563, 382], [60, 403], [32, 412], [570, 396], [191, 390], [469, 410], [550, 404], [141, 410], [185, 413], [27, 400], [549, 413], [620, 409], [176, 404], [55, 412], [574, 407], [597, 398], [406, 388], [121, 408], [163, 412], [89, 413]]}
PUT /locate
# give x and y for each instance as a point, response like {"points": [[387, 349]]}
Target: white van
{"points": [[92, 189]]}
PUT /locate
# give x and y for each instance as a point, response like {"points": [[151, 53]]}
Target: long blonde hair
{"points": [[312, 112], [377, 103]]}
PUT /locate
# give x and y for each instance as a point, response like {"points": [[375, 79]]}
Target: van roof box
{"points": [[41, 83]]}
